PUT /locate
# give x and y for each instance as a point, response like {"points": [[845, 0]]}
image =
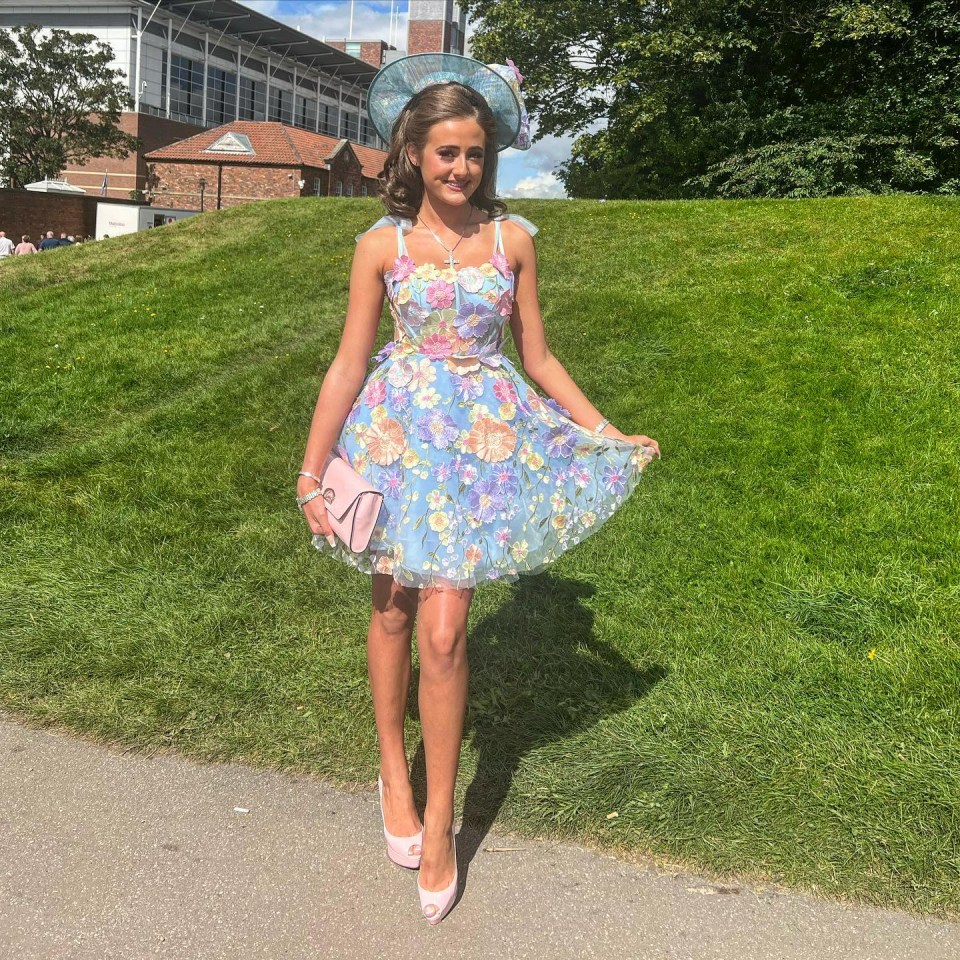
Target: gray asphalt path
{"points": [[110, 854]]}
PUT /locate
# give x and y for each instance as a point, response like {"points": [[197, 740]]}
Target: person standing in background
{"points": [[24, 246], [6, 246]]}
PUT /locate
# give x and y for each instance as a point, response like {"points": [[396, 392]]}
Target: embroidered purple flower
{"points": [[439, 294], [385, 351], [392, 483], [398, 399], [485, 500], [473, 319], [553, 405], [442, 472], [469, 473], [501, 264], [614, 479], [506, 481], [560, 441], [580, 474], [403, 267], [414, 314], [437, 428], [468, 388]]}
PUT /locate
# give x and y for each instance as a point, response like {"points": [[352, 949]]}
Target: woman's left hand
{"points": [[640, 440]]}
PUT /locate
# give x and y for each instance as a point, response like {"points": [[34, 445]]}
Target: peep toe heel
{"points": [[436, 904], [400, 849]]}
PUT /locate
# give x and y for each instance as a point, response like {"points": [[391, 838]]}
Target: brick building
{"points": [[192, 64], [245, 160]]}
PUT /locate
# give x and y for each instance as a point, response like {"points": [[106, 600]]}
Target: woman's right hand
{"points": [[315, 510]]}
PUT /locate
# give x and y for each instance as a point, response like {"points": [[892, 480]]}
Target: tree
{"points": [[739, 98], [59, 102]]}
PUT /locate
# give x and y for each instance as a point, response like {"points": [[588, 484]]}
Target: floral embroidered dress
{"points": [[482, 478]]}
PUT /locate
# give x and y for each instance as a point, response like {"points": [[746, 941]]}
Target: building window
{"points": [[221, 95], [364, 129], [363, 189], [186, 87], [352, 48], [316, 186], [348, 126], [306, 112], [339, 188], [252, 99], [280, 104], [350, 189]]}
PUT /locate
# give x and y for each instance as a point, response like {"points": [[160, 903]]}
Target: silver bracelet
{"points": [[601, 425], [308, 496], [307, 473]]}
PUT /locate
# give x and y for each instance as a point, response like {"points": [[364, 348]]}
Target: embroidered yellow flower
{"points": [[439, 521], [410, 457], [507, 411], [404, 293]]}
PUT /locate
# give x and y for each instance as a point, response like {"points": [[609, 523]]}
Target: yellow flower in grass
{"points": [[872, 655], [439, 521]]}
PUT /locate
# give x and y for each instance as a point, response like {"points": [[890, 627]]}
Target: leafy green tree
{"points": [[739, 98], [59, 102]]}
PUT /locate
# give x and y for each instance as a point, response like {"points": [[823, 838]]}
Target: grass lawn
{"points": [[754, 664]]}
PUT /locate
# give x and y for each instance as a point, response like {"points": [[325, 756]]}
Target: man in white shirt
{"points": [[6, 246]]}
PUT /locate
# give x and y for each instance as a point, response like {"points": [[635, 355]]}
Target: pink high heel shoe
{"points": [[400, 849], [436, 904]]}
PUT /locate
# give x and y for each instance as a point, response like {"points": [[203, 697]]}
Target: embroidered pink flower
{"points": [[439, 294], [501, 263], [504, 390], [436, 346], [375, 393], [504, 305], [403, 267]]}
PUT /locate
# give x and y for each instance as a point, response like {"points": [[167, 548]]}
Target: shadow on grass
{"points": [[538, 675]]}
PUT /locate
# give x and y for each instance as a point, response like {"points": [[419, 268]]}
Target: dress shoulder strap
{"points": [[402, 224]]}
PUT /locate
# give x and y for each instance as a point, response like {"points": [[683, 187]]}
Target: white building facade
{"points": [[207, 62]]}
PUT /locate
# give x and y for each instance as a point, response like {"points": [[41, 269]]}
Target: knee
{"points": [[441, 648], [394, 623]]}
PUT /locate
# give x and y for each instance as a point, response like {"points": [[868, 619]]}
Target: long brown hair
{"points": [[401, 184]]}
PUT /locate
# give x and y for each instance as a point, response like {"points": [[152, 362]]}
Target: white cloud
{"points": [[542, 185]]}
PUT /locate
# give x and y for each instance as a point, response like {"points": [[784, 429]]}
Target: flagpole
{"points": [[351, 20]]}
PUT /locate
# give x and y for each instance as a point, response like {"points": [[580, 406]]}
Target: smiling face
{"points": [[451, 162]]}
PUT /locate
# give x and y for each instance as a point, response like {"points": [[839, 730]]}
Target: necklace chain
{"points": [[450, 259]]}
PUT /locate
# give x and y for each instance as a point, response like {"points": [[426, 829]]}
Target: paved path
{"points": [[109, 854]]}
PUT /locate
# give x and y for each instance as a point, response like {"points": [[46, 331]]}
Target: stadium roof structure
{"points": [[232, 19]]}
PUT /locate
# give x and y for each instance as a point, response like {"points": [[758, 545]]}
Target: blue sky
{"points": [[523, 173]]}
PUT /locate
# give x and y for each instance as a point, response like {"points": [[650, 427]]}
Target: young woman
{"points": [[482, 478]]}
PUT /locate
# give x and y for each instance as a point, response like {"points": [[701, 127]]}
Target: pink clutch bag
{"points": [[353, 505]]}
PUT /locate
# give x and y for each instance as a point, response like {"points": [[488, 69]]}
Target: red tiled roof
{"points": [[275, 144]]}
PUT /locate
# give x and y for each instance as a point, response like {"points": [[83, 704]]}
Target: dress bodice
{"points": [[452, 314]]}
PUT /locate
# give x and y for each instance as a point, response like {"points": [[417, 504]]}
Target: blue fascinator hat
{"points": [[402, 79]]}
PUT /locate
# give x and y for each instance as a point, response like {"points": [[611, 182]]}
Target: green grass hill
{"points": [[752, 669]]}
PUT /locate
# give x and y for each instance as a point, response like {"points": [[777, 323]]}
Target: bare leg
{"points": [[444, 674], [388, 664]]}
